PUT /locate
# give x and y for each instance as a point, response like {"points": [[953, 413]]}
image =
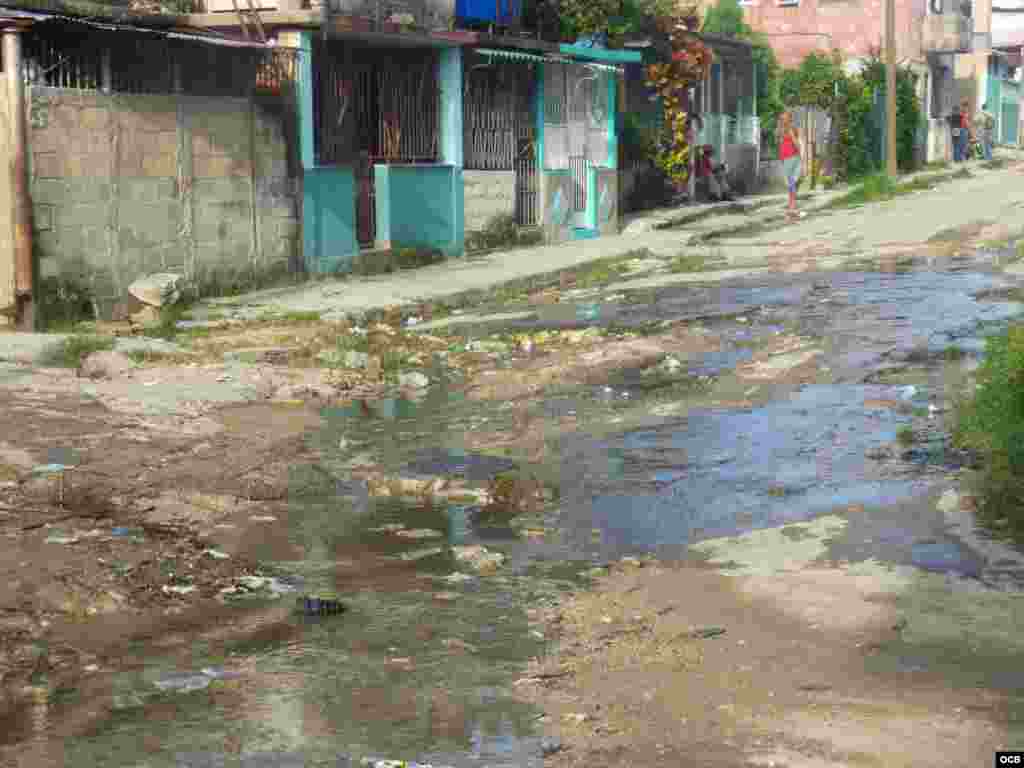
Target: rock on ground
{"points": [[106, 365], [157, 290]]}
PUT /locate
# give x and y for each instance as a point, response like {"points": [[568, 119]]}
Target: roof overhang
{"points": [[23, 17]]}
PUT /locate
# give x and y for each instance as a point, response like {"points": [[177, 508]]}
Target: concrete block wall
{"points": [[488, 194], [126, 185], [852, 26]]}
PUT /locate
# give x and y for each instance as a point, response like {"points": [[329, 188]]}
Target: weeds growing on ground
{"points": [[73, 350], [502, 231], [687, 262], [995, 164], [953, 353], [905, 435], [990, 423]]}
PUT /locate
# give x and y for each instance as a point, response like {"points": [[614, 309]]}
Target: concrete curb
{"points": [[29, 348]]}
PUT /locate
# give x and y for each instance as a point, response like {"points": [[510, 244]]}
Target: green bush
{"points": [[991, 424]]}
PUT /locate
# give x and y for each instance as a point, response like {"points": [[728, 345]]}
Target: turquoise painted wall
{"points": [[329, 242], [450, 79], [613, 124], [420, 206], [328, 220], [304, 96]]}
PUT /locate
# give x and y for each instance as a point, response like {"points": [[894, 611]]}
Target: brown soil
{"points": [[631, 684], [89, 592]]}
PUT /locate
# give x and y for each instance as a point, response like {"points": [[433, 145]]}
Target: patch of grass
{"points": [[995, 164], [296, 317], [936, 165], [70, 352], [687, 262], [1019, 250], [874, 188], [413, 258], [63, 303], [963, 173], [905, 435], [502, 231], [602, 271], [990, 424], [352, 342], [953, 353], [143, 356], [391, 362]]}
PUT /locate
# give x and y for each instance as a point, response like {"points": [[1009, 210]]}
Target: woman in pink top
{"points": [[789, 154]]}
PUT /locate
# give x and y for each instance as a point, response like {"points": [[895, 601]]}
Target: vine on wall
{"points": [[688, 63]]}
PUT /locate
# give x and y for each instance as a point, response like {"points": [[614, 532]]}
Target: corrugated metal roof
{"points": [[532, 57], [110, 26]]}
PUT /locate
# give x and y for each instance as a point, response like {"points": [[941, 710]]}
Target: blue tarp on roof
{"points": [[501, 12]]}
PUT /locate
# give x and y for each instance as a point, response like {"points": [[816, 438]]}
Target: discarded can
{"points": [[588, 311], [319, 606]]}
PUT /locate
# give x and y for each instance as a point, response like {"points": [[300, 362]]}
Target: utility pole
{"points": [[890, 87]]}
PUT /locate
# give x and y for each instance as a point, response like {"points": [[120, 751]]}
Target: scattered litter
{"points": [[908, 392], [410, 321], [388, 528], [91, 668], [420, 554], [319, 606], [703, 633], [458, 578], [550, 746], [263, 518], [178, 590], [59, 538], [216, 554], [413, 379], [50, 469], [223, 378], [420, 533]]}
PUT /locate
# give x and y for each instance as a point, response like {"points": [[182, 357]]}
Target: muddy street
{"points": [[620, 518]]}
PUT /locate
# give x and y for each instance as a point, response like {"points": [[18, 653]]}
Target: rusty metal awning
{"points": [[18, 14]]}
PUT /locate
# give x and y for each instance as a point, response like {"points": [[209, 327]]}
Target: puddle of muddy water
{"points": [[404, 674]]}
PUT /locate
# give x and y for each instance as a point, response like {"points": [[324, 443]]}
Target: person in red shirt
{"points": [[964, 138], [789, 154]]}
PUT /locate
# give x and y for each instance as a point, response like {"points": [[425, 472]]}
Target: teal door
{"points": [[1010, 123]]}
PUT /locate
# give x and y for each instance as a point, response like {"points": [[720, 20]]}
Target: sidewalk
{"points": [[337, 298], [665, 233]]}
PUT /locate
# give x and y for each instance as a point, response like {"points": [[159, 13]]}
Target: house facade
{"points": [[412, 132], [139, 147]]}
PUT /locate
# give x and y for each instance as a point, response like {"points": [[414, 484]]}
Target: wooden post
{"points": [[23, 272], [890, 86]]}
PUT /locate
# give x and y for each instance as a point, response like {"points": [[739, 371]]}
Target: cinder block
{"points": [[42, 217], [81, 216], [88, 190], [48, 245], [225, 228], [222, 189], [49, 191], [93, 119], [217, 166], [47, 165], [151, 222], [48, 139], [166, 143], [141, 189], [160, 165]]}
